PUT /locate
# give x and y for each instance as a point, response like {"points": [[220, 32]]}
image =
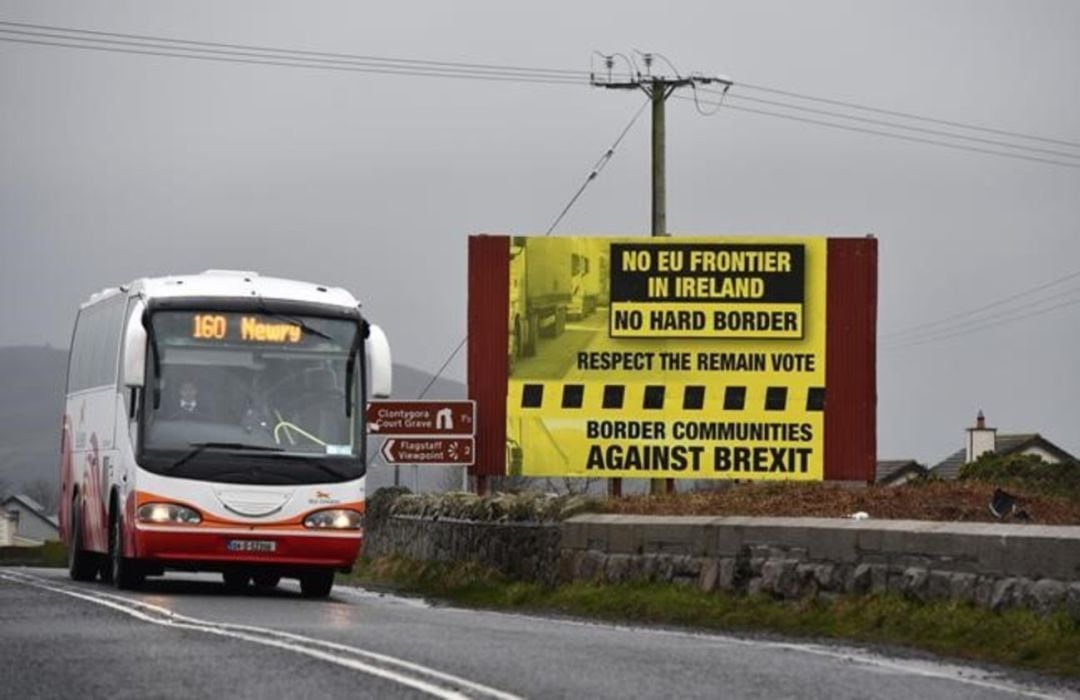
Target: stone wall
{"points": [[522, 551], [992, 565]]}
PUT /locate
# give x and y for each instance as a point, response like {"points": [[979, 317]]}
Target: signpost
{"points": [[424, 432], [441, 451], [421, 417]]}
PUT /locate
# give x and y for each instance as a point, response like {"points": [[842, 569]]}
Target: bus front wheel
{"points": [[123, 572]]}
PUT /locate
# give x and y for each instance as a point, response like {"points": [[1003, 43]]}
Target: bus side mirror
{"points": [[378, 359], [135, 349]]}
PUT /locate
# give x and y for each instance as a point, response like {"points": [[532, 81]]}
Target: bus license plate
{"points": [[251, 546]]}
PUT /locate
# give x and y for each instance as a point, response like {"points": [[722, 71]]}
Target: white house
{"points": [[9, 525], [982, 439], [32, 524]]}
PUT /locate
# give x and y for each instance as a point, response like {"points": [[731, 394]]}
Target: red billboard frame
{"points": [[850, 346]]}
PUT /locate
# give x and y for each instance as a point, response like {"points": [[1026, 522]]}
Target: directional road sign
{"points": [[434, 451], [421, 417]]}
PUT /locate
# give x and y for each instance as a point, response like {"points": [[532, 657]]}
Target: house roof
{"points": [[949, 468], [888, 470], [33, 506]]}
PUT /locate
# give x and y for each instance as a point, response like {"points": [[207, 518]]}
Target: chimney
{"points": [[980, 439]]}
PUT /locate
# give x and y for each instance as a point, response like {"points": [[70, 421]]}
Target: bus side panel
{"points": [[67, 478], [93, 416]]}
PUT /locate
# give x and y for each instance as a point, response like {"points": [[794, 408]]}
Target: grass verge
{"points": [[1018, 638], [50, 554]]}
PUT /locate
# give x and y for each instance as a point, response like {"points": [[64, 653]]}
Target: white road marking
{"points": [[282, 640]]}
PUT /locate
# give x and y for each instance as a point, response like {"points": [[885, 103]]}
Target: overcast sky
{"points": [[119, 166]]}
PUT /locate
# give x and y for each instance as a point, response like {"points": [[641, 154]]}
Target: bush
{"points": [[49, 554], [1026, 471]]}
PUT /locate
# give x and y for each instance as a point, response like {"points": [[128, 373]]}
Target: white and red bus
{"points": [[215, 422]]}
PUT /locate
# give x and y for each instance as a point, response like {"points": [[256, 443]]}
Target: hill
{"points": [[32, 381]]}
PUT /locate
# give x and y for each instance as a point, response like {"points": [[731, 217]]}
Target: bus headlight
{"points": [[168, 514], [334, 519]]}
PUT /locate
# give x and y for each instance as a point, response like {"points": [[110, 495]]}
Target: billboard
{"points": [[694, 358]]}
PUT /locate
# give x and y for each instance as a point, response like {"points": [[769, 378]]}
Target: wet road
{"points": [[183, 636]]}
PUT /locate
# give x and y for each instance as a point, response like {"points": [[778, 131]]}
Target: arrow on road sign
{"points": [[432, 451]]}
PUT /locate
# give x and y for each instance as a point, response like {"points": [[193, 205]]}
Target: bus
{"points": [[216, 422]]}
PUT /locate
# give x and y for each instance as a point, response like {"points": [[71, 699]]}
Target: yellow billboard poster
{"points": [[693, 358]]}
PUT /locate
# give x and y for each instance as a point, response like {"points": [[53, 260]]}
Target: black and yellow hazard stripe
{"points": [[660, 397]]}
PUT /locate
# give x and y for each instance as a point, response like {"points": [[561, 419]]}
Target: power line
{"points": [[227, 52], [445, 364], [906, 115], [597, 168], [303, 64], [978, 322], [896, 125], [999, 322], [77, 33], [886, 134], [998, 302]]}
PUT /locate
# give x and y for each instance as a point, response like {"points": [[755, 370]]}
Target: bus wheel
{"points": [[82, 565], [264, 579], [235, 581], [317, 584], [124, 573]]}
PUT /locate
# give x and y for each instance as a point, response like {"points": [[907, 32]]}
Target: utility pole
{"points": [[659, 95], [659, 89]]}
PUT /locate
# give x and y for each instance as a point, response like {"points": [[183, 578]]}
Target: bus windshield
{"points": [[266, 390]]}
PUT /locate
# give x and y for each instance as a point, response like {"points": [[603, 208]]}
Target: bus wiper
{"points": [[199, 447]]}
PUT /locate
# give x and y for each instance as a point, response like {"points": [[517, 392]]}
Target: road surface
{"points": [[184, 637]]}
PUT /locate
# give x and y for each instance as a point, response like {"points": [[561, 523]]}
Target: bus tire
{"points": [[124, 572], [82, 565], [317, 584]]}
